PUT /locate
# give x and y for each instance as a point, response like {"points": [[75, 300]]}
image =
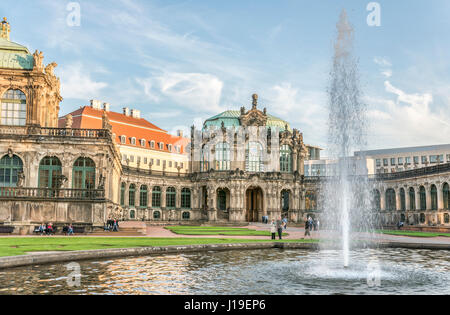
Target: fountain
{"points": [[346, 194]]}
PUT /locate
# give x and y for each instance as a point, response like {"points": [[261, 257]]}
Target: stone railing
{"points": [[8, 193], [148, 172], [54, 132], [424, 171]]}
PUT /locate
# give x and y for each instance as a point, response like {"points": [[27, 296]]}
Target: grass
{"points": [[413, 233], [217, 230], [14, 246]]}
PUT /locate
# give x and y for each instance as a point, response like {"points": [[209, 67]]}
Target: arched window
{"points": [[285, 159], [285, 200], [402, 199], [10, 167], [156, 215], [446, 196], [171, 198], [434, 198], [204, 161], [376, 200], [156, 197], [50, 170], [132, 214], [446, 218], [143, 197], [132, 195], [122, 194], [390, 199], [83, 174], [423, 198], [254, 157], [223, 159], [14, 108], [186, 198], [422, 218], [186, 215], [310, 200], [412, 199]]}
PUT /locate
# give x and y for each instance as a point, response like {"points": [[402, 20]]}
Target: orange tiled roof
{"points": [[122, 125]]}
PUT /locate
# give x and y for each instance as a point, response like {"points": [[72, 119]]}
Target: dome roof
{"points": [[231, 118], [12, 55]]}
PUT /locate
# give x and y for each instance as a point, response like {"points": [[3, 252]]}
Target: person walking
{"points": [[279, 226], [307, 227], [273, 229], [70, 230]]}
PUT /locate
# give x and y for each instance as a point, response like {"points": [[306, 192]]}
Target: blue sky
{"points": [[180, 62]]}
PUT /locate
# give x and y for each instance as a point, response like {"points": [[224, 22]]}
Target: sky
{"points": [[180, 62]]}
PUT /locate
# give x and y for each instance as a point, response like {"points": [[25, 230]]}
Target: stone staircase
{"points": [[125, 229]]}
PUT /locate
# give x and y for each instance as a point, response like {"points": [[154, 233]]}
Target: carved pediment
{"points": [[253, 117]]}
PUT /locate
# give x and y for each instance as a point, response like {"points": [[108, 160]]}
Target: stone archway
{"points": [[254, 202]]}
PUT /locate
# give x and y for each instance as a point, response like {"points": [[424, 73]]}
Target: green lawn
{"points": [[413, 233], [216, 230], [22, 245]]}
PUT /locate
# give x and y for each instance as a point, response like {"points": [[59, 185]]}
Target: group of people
{"points": [[278, 226], [311, 224], [48, 229], [112, 225]]}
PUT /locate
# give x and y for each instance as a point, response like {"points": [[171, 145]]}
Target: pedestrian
{"points": [[279, 225], [115, 226], [307, 227], [285, 222], [273, 229], [70, 230]]}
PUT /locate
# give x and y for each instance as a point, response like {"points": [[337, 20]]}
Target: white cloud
{"points": [[76, 83], [383, 62], [387, 73]]}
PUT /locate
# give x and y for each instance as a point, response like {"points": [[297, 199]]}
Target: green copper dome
{"points": [[12, 55], [230, 118]]}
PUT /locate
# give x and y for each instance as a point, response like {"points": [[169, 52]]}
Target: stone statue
{"points": [[38, 60], [105, 122], [69, 121], [101, 182], [21, 179], [49, 69], [255, 100]]}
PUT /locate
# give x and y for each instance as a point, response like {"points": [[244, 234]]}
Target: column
{"points": [[417, 191], [428, 194], [398, 204], [440, 197], [407, 200], [383, 199]]}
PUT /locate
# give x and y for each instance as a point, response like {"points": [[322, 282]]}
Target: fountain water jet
{"points": [[345, 196]]}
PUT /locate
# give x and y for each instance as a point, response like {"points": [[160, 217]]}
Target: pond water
{"points": [[374, 271]]}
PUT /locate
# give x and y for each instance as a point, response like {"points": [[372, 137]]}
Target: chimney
{"points": [[126, 111], [95, 104], [5, 29], [106, 107], [135, 113], [180, 133]]}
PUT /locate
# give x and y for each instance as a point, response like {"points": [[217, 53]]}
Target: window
{"points": [[400, 161], [138, 160], [402, 199], [446, 218], [423, 198], [393, 161], [222, 199], [416, 160], [254, 157], [223, 160], [161, 146], [142, 142], [84, 174], [412, 199], [156, 197], [158, 162], [14, 108], [143, 197], [50, 170], [390, 199], [204, 162], [285, 159], [434, 199], [448, 157], [10, 167], [186, 198], [378, 161], [132, 195], [123, 139], [145, 161], [132, 214], [446, 195], [152, 144], [169, 147], [408, 160], [424, 159], [132, 158], [156, 215], [171, 197], [385, 162], [178, 148], [176, 164], [433, 158], [186, 215], [376, 202], [133, 141], [122, 194]]}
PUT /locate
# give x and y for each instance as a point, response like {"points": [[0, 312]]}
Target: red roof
{"points": [[122, 125]]}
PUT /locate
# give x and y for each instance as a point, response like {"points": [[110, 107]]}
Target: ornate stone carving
{"points": [[69, 121], [38, 61]]}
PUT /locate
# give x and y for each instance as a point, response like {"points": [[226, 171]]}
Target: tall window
{"points": [[285, 200], [10, 167], [376, 200], [390, 199], [132, 195], [254, 157], [156, 197], [14, 108], [50, 169], [186, 198], [223, 160], [446, 195], [402, 199], [143, 197], [412, 199], [423, 198], [84, 174], [222, 199], [204, 162], [285, 159], [171, 197], [122, 194], [434, 198]]}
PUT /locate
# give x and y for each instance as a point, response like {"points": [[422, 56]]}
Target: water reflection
{"points": [[243, 272]]}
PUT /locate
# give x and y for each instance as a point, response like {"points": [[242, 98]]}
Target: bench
{"points": [[6, 229]]}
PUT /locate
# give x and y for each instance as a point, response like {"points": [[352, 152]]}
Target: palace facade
{"points": [[95, 164]]}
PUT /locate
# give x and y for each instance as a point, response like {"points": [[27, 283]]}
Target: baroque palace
{"points": [[95, 164]]}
